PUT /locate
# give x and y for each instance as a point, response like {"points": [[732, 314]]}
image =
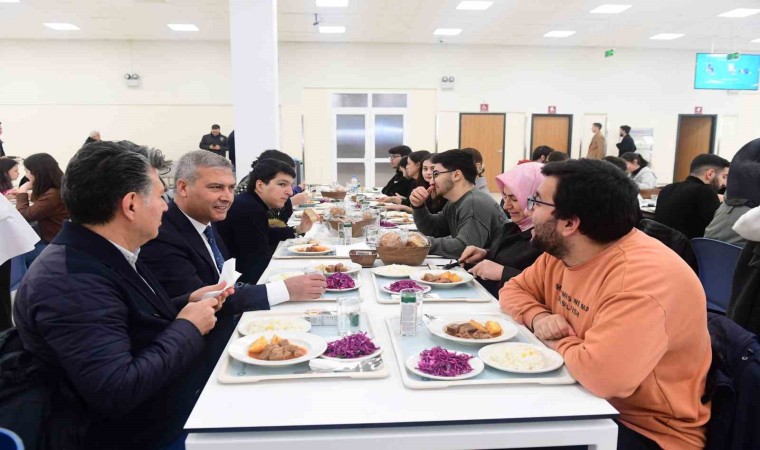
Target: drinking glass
{"points": [[349, 313]]}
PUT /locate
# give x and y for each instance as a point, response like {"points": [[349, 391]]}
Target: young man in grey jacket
{"points": [[471, 217]]}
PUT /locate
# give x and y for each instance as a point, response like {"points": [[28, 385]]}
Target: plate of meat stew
{"points": [[441, 278], [277, 348], [473, 330]]}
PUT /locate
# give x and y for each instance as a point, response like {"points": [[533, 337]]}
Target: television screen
{"points": [[715, 71]]}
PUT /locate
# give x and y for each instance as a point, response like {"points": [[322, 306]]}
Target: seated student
{"points": [[470, 217], [626, 313], [557, 156], [434, 203], [618, 162], [742, 194], [126, 355], [539, 154], [480, 181], [744, 307], [246, 230], [397, 184], [299, 197], [8, 174], [689, 206], [413, 172], [511, 254], [47, 208], [637, 168]]}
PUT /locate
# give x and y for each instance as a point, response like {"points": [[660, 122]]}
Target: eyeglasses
{"points": [[532, 203], [394, 157], [436, 173]]}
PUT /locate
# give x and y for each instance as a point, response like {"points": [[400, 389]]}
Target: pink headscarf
{"points": [[523, 180]]}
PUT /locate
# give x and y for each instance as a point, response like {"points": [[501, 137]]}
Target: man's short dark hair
{"points": [[541, 150], [402, 150], [557, 156], [403, 162], [701, 163], [602, 197], [266, 170], [215, 127], [278, 155], [598, 125], [154, 156], [617, 162], [476, 155], [98, 177], [626, 128], [457, 160]]}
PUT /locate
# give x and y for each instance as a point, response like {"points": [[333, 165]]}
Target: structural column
{"points": [[255, 90]]}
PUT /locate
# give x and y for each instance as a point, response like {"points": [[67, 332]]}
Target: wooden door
{"points": [[696, 135], [554, 130], [485, 132]]}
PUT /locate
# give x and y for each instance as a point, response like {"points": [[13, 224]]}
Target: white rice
{"points": [[519, 357], [396, 270]]}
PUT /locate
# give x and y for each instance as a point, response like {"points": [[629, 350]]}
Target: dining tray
{"points": [[340, 251], [471, 292], [233, 371], [406, 346]]}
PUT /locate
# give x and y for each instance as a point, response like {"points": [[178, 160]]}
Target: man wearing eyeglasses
{"points": [[626, 313], [471, 217], [398, 185]]}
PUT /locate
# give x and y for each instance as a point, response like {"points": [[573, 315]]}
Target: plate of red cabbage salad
{"points": [[386, 224], [398, 286], [339, 282], [354, 347], [437, 363]]}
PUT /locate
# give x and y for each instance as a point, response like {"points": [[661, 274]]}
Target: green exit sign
{"points": [[609, 53], [731, 56]]}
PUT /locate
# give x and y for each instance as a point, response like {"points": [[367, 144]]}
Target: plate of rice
{"points": [[394, 271], [251, 325], [518, 357]]}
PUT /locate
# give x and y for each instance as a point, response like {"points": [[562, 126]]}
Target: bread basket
{"points": [[337, 195], [365, 258]]}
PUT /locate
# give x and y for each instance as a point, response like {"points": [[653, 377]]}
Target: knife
{"points": [[451, 265]]}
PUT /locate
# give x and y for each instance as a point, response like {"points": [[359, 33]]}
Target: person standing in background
{"points": [[215, 141], [598, 147], [626, 144]]}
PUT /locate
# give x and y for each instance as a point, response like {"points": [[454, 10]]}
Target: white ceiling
{"points": [[507, 22]]}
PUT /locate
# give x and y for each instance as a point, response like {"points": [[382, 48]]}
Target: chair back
{"points": [[717, 262], [10, 440]]}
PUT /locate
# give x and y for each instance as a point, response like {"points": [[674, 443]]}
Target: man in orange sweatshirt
{"points": [[624, 311]]}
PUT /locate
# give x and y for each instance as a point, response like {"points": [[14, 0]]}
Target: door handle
{"points": [[500, 151]]}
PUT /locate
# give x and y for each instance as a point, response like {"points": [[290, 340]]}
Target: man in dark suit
{"points": [[130, 358], [689, 206], [215, 141], [626, 144], [188, 251]]}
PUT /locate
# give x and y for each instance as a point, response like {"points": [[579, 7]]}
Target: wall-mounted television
{"points": [[716, 71]]}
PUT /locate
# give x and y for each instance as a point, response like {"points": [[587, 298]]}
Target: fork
{"points": [[368, 365]]}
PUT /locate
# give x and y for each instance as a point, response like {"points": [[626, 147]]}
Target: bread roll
{"points": [[417, 240], [390, 240]]}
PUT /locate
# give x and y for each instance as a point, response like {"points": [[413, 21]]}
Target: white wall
{"points": [[52, 93]]}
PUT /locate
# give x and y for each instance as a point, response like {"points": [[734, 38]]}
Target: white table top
{"points": [[349, 402]]}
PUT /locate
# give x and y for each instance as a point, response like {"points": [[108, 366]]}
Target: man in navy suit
{"points": [[130, 359], [188, 252]]}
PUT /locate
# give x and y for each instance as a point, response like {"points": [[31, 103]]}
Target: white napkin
{"points": [[748, 225], [18, 236], [229, 274]]}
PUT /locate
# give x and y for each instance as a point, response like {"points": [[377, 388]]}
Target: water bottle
{"points": [[354, 185], [347, 233]]}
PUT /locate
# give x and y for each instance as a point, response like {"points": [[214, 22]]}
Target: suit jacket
{"points": [[598, 147], [251, 240], [626, 145], [112, 334]]}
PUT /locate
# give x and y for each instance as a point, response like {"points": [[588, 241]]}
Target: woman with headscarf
{"points": [[513, 253]]}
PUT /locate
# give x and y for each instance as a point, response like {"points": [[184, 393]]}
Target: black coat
{"points": [[2, 151], [626, 145], [83, 310], [220, 140], [744, 308], [400, 185], [249, 237], [688, 206], [513, 251]]}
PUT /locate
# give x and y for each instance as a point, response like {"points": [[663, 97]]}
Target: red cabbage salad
{"points": [[405, 284], [443, 363], [352, 346], [340, 281], [386, 224]]}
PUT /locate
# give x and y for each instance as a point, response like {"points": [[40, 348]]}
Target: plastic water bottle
{"points": [[354, 185]]}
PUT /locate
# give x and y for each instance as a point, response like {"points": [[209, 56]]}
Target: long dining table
{"points": [[381, 413]]}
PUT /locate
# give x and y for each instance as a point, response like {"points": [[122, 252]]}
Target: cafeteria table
{"points": [[381, 413]]}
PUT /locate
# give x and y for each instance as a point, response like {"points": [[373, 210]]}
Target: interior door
{"points": [[696, 135], [485, 132], [588, 121], [554, 130]]}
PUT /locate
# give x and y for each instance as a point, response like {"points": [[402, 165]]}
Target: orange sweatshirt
{"points": [[642, 343]]}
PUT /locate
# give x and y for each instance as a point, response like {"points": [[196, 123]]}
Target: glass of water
{"points": [[371, 234], [349, 313]]}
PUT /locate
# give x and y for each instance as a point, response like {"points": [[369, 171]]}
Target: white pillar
{"points": [[255, 91]]}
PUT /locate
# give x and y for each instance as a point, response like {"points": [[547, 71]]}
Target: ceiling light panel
{"points": [[57, 26], [447, 31], [332, 3], [740, 13], [182, 27], [10, 1], [332, 30], [610, 9], [666, 36], [559, 34], [472, 5], [756, 41]]}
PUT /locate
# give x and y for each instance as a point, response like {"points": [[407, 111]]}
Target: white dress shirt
{"points": [[277, 292], [132, 260]]}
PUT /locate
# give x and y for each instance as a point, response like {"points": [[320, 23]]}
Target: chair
{"points": [[717, 261], [10, 440]]}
